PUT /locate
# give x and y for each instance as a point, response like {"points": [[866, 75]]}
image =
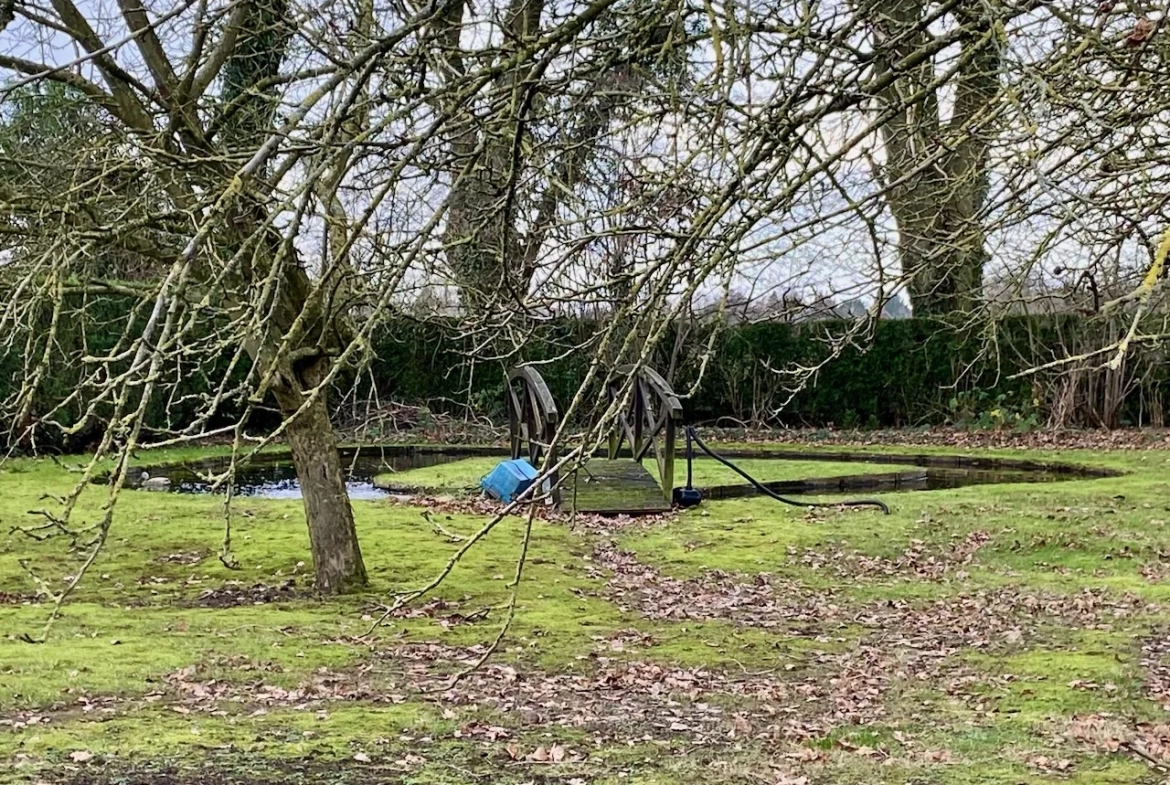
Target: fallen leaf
{"points": [[1142, 30]]}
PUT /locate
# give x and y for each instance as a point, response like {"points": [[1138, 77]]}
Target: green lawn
{"points": [[994, 634]]}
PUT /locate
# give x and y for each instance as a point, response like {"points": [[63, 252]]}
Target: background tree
{"points": [[513, 168], [935, 169], [54, 140]]}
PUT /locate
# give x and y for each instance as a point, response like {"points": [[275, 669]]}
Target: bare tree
{"points": [[513, 167], [214, 157], [303, 172]]}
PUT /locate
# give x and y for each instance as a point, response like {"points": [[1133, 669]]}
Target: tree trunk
{"points": [[337, 557], [941, 248], [935, 173], [481, 248], [301, 308]]}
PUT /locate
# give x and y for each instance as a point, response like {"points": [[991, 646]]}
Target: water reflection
{"points": [[272, 476]]}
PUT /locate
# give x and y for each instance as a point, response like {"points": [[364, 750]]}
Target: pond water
{"points": [[932, 472], [272, 475], [928, 479]]}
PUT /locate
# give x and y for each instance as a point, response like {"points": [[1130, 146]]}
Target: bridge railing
{"points": [[533, 419], [650, 423]]}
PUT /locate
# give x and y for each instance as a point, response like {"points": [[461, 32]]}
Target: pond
{"points": [[272, 476], [933, 472]]}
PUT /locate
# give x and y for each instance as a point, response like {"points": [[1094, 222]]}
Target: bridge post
{"points": [[533, 420]]}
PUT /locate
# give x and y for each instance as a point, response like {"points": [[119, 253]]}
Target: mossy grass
{"points": [[149, 610]]}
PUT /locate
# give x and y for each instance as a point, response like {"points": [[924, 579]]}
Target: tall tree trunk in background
{"points": [[337, 557], [936, 173], [482, 245], [492, 259]]}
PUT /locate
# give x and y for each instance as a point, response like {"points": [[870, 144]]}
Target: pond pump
{"points": [[690, 496]]}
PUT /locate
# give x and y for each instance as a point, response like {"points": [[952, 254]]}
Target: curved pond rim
{"points": [[271, 475], [929, 461], [923, 479], [925, 460]]}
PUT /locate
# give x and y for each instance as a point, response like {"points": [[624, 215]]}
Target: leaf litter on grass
{"points": [[918, 562], [1145, 740], [889, 647], [984, 618], [882, 647]]}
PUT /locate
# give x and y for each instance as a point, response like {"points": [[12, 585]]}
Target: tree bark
{"points": [[299, 313], [936, 173], [941, 248], [337, 557]]}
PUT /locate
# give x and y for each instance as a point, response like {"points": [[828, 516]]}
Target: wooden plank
{"points": [[618, 487]]}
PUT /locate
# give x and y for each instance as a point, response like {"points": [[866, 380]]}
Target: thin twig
{"points": [[438, 527], [512, 599], [1141, 753]]}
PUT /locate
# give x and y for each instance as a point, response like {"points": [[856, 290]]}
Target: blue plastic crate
{"points": [[509, 479]]}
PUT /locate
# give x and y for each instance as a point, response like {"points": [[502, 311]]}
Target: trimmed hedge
{"points": [[912, 372]]}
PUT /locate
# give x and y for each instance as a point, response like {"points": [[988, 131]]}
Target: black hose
{"points": [[693, 436]]}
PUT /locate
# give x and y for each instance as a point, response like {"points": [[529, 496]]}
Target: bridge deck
{"points": [[619, 487]]}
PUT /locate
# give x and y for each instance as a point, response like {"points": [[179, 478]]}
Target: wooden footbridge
{"points": [[646, 428]]}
